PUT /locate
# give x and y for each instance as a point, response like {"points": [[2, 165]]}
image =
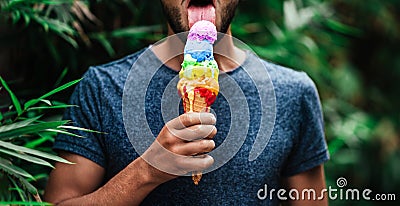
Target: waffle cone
{"points": [[197, 105], [196, 177]]}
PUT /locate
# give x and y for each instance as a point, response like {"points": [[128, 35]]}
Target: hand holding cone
{"points": [[198, 84]]}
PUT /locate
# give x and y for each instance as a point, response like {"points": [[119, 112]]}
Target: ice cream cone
{"points": [[198, 78], [195, 102], [198, 104]]}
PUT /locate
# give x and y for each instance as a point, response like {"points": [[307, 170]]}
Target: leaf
{"points": [[25, 203], [14, 99], [29, 129], [63, 30], [48, 102], [343, 28], [18, 189], [69, 40], [54, 24], [20, 124], [276, 32], [11, 169], [27, 186], [39, 141], [33, 152], [27, 19], [16, 17], [82, 7], [57, 103], [61, 77], [8, 114], [106, 44], [27, 158], [58, 89], [51, 107], [291, 14], [79, 128], [64, 132], [40, 176]]}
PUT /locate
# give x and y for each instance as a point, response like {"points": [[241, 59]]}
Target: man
{"points": [[108, 171]]}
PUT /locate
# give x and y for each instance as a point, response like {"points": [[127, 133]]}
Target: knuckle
{"points": [[207, 162], [203, 164], [184, 162], [203, 130], [174, 150], [166, 131], [169, 124], [203, 144], [169, 139], [207, 145], [186, 119], [208, 118], [195, 128]]}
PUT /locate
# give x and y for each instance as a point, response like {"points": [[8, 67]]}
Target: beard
{"points": [[174, 17], [227, 14]]}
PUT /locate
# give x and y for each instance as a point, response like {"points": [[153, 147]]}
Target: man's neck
{"points": [[228, 57]]}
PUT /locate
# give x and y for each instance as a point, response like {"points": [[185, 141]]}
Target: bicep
{"points": [[68, 181], [311, 179]]}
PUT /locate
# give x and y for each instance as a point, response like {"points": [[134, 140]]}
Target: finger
{"points": [[195, 132], [192, 118], [196, 163], [212, 134], [195, 147]]}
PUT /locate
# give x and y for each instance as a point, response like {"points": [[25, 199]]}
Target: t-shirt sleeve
{"points": [[85, 114], [310, 149]]}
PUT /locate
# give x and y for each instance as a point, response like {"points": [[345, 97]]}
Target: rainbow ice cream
{"points": [[198, 84]]}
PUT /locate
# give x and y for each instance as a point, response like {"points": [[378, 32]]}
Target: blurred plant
{"points": [[23, 130], [59, 16], [63, 17], [311, 36], [50, 35]]}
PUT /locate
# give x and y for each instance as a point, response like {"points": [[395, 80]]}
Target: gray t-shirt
{"points": [[297, 142]]}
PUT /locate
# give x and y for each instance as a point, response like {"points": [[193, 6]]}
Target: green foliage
{"points": [[40, 12], [58, 34], [21, 133], [333, 42]]}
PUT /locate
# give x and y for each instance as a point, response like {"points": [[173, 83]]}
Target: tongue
{"points": [[197, 13]]}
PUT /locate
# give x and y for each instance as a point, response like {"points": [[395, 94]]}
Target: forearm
{"points": [[79, 184], [129, 187]]}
